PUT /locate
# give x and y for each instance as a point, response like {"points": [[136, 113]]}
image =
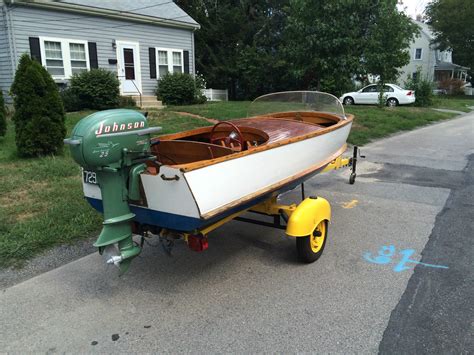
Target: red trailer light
{"points": [[197, 242]]}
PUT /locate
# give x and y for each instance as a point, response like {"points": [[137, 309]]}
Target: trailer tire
{"points": [[311, 247]]}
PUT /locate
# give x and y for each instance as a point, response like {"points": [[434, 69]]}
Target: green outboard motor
{"points": [[115, 145]]}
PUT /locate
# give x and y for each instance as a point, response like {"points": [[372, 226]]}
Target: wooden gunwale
{"points": [[201, 164], [261, 148], [274, 186]]}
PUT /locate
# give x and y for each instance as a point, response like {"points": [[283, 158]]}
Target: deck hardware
{"points": [[302, 192], [164, 177]]}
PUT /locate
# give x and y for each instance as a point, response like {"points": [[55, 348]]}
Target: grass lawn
{"points": [[41, 200], [221, 110], [371, 122], [458, 103]]}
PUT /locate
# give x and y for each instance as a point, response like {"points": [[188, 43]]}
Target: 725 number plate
{"points": [[89, 177]]}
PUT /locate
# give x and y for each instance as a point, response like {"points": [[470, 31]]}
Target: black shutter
{"points": [[186, 61], [35, 50], [93, 62], [152, 60]]}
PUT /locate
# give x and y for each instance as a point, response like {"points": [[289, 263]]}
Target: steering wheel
{"points": [[239, 139]]}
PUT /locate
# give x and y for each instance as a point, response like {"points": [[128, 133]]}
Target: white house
{"points": [[433, 64]]}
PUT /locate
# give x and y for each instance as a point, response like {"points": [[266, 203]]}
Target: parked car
{"points": [[394, 95]]}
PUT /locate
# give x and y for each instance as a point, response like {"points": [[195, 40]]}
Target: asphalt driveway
{"points": [[396, 275]]}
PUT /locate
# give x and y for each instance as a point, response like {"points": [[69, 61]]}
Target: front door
{"points": [[128, 66]]}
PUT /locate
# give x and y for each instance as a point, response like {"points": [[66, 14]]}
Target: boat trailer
{"points": [[306, 221]]}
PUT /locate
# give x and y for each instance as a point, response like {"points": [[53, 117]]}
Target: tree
{"points": [[451, 21], [260, 46], [389, 35], [237, 45], [39, 113], [329, 41], [3, 116]]}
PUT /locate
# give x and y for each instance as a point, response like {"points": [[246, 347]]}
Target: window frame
{"points": [[169, 54], [421, 54], [66, 54]]}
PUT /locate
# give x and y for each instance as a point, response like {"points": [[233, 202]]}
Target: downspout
{"points": [[194, 53], [11, 37]]}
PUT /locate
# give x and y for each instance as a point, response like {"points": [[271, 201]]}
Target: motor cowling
{"points": [[99, 140], [114, 144]]}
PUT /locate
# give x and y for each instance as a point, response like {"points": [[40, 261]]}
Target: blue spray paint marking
{"points": [[387, 252]]}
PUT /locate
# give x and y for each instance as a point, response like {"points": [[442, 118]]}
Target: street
{"points": [[396, 275]]}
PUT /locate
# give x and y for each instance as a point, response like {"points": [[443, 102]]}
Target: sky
{"points": [[413, 7]]}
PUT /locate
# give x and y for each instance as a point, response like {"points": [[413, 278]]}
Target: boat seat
{"points": [[175, 152]]}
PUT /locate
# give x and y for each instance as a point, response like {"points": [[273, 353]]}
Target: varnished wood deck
{"points": [[279, 129]]}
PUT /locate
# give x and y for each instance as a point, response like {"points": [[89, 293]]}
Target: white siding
{"points": [[427, 62], [34, 22]]}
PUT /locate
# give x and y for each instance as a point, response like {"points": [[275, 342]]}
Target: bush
{"points": [[39, 113], [127, 101], [71, 101], [423, 89], [3, 116], [452, 86], [97, 89], [180, 89]]}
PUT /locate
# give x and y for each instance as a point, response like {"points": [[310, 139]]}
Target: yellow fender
{"points": [[307, 216]]}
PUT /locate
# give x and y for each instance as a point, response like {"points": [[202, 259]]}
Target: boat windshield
{"points": [[301, 101]]}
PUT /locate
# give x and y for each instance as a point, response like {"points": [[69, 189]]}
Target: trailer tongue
{"points": [[114, 145]]}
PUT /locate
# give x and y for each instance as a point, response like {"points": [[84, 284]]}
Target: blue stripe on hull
{"points": [[188, 224]]}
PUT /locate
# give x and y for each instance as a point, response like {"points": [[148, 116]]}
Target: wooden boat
{"points": [[203, 175]]}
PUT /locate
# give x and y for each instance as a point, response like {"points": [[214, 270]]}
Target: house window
{"points": [[162, 63], [53, 58], [169, 61], [78, 57], [418, 53], [414, 75], [64, 57], [177, 62]]}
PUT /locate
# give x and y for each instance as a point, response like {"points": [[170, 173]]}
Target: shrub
{"points": [[180, 89], [452, 86], [127, 101], [3, 116], [97, 89], [71, 100], [39, 113], [423, 89]]}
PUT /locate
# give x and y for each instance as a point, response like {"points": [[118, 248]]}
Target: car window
{"points": [[398, 87], [371, 88], [387, 88]]}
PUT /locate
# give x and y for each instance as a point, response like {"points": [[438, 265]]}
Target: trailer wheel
{"points": [[310, 248]]}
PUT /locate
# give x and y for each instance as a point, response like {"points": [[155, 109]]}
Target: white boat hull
{"points": [[205, 194]]}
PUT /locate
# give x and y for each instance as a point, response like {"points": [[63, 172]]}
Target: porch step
{"points": [[148, 102]]}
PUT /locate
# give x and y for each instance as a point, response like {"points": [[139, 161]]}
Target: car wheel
{"points": [[348, 101], [392, 102]]}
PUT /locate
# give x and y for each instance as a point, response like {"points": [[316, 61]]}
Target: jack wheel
{"points": [[311, 247], [352, 179]]}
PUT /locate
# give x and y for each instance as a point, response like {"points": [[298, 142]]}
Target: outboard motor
{"points": [[115, 145]]}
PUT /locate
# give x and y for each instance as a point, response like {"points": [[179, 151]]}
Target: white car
{"points": [[394, 95]]}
